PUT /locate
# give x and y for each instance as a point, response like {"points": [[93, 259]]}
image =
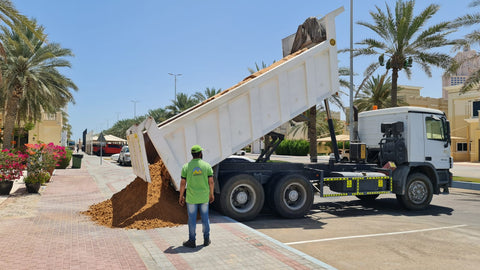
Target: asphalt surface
{"points": [[347, 233]]}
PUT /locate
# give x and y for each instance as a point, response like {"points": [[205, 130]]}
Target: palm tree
{"points": [[208, 93], [13, 19], [32, 84], [402, 40], [66, 126], [182, 102], [467, 41], [322, 125], [159, 114], [376, 92], [258, 67], [119, 129]]}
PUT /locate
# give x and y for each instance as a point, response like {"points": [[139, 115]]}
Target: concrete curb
{"points": [[466, 185]]}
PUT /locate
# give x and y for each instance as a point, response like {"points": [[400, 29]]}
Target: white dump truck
{"points": [[416, 140]]}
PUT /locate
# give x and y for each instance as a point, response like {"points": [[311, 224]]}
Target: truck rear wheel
{"points": [[418, 192], [242, 197], [293, 196]]}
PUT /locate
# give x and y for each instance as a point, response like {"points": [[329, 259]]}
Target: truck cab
{"points": [[417, 140]]}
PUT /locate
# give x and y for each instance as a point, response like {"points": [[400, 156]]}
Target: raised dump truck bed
{"points": [[240, 115]]}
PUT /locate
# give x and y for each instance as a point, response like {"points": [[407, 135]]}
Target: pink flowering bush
{"points": [[12, 163], [44, 157]]}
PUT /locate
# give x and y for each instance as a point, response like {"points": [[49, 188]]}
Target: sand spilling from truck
{"points": [[141, 205]]}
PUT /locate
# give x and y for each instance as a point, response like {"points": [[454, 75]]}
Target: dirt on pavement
{"points": [[141, 205]]}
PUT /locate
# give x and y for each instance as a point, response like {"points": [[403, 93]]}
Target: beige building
{"points": [[411, 95], [463, 109], [48, 130], [464, 123]]}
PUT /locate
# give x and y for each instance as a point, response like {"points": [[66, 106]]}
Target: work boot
{"points": [[189, 244], [206, 241]]}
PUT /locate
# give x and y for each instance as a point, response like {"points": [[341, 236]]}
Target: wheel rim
{"points": [[243, 198], [418, 192], [294, 196]]}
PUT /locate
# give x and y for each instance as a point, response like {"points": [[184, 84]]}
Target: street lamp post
{"points": [[350, 118], [175, 75], [134, 108]]}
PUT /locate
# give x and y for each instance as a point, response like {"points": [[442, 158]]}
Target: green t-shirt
{"points": [[197, 172]]}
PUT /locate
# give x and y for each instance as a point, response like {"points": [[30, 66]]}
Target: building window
{"points": [[456, 80], [475, 108], [50, 116], [462, 147]]}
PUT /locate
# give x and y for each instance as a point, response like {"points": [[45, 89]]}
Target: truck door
{"points": [[437, 148]]}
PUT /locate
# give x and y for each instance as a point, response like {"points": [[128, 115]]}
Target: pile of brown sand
{"points": [[142, 205]]}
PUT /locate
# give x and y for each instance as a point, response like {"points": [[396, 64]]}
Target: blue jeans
{"points": [[192, 220]]}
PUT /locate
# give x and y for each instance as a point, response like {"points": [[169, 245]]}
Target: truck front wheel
{"points": [[242, 197], [418, 192], [292, 196]]}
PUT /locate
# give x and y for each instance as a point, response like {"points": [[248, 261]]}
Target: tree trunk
{"points": [[10, 118], [312, 133], [393, 93]]}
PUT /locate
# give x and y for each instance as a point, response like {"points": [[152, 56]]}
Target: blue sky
{"points": [[124, 50]]}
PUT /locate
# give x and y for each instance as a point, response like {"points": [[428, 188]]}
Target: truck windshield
{"points": [[435, 128]]}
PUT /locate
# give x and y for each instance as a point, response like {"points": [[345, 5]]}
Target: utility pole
{"points": [[175, 75]]}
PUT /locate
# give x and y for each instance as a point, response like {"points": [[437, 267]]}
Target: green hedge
{"points": [[293, 148], [63, 164], [339, 145]]}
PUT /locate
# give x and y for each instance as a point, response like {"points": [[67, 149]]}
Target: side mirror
{"points": [[447, 133]]}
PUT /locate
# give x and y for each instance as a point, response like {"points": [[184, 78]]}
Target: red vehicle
{"points": [[107, 150]]}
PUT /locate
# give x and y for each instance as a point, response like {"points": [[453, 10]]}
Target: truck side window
{"points": [[435, 129]]}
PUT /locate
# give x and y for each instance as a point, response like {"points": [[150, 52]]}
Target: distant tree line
{"points": [[180, 104]]}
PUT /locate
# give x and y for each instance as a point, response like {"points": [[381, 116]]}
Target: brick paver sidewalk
{"points": [[47, 231]]}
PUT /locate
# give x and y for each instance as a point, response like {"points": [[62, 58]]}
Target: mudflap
{"points": [[399, 179]]}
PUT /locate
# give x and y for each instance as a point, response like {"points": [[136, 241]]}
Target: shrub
{"points": [[44, 156], [11, 164], [65, 161], [37, 177], [339, 145], [293, 148], [282, 148]]}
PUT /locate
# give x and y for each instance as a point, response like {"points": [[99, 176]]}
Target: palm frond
{"points": [[366, 76], [364, 51], [474, 3], [472, 82], [469, 19]]}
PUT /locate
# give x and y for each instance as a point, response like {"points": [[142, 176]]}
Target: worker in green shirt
{"points": [[197, 180]]}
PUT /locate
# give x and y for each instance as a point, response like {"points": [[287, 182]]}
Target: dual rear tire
{"points": [[242, 196], [292, 196]]}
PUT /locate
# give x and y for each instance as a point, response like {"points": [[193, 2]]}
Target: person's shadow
{"points": [[182, 249]]}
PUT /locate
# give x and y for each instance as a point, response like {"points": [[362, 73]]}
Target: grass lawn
{"points": [[466, 179]]}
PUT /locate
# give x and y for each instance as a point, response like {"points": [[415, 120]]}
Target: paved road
{"points": [[466, 169], [347, 234]]}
